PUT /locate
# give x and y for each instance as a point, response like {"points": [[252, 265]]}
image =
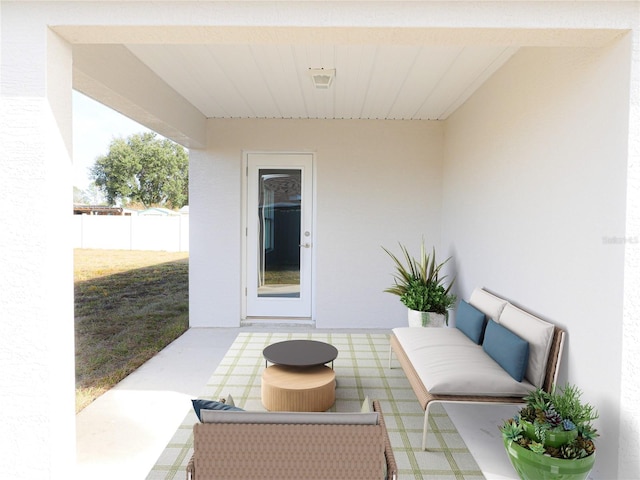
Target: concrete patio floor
{"points": [[122, 433]]}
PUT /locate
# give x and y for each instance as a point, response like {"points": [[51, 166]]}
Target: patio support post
{"points": [[628, 456], [37, 410]]}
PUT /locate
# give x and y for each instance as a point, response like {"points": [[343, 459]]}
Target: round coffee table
{"points": [[300, 353], [299, 380], [293, 389]]}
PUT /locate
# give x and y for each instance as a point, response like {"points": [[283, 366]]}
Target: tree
{"points": [[79, 196], [92, 195], [144, 169]]}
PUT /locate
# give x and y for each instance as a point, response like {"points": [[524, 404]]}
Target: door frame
{"points": [[245, 227]]}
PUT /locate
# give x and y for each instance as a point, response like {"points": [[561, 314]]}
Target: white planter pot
{"points": [[425, 319]]}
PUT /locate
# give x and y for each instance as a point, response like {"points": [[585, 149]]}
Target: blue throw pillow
{"points": [[508, 349], [470, 321], [199, 404]]}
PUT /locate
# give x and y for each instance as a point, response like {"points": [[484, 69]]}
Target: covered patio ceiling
{"points": [[173, 78]]}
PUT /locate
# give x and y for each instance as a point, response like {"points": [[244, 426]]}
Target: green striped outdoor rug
{"points": [[361, 370]]}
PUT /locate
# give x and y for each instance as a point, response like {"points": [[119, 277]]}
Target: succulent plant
{"points": [[537, 447], [528, 413], [537, 400], [512, 429], [570, 451], [555, 412], [588, 432], [586, 445], [552, 417]]}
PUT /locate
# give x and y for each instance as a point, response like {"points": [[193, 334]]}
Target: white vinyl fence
{"points": [[115, 232]]}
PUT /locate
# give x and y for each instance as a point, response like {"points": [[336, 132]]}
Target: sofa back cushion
{"points": [[487, 303], [509, 350], [537, 332], [471, 321], [314, 418]]}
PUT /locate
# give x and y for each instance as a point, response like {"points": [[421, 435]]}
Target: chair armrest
{"points": [[191, 469], [392, 468]]}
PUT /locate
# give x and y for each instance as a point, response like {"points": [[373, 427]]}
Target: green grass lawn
{"points": [[128, 306]]}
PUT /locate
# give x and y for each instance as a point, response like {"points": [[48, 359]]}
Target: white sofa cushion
{"points": [[487, 303], [417, 338], [448, 363], [537, 332]]}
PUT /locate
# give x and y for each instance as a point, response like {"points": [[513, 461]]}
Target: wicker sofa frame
{"points": [[426, 399], [287, 451]]}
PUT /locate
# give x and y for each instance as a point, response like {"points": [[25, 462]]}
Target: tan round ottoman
{"points": [[295, 389]]}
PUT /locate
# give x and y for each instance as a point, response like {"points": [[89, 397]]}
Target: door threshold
{"points": [[277, 322]]}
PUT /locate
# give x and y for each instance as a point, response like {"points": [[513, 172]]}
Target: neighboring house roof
{"points": [[98, 210], [159, 211]]}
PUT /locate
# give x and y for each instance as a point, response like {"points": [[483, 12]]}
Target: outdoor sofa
{"points": [[289, 445], [496, 353]]}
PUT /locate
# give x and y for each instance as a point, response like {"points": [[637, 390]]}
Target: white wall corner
{"points": [[36, 286], [628, 454]]}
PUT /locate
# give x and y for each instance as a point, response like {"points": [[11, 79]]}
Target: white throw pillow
{"points": [[487, 303]]}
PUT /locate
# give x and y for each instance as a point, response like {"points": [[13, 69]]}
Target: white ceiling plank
{"points": [[345, 83], [290, 90], [372, 81], [389, 75], [353, 71], [421, 80], [192, 72], [239, 65], [271, 74], [463, 73]]}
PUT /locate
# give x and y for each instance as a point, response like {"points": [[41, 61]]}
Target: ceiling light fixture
{"points": [[322, 78]]}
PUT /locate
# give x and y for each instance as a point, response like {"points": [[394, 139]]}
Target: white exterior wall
{"points": [[534, 203], [629, 456], [376, 183], [37, 381]]}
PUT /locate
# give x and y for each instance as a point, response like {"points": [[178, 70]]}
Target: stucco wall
{"points": [[534, 206], [376, 183], [37, 379]]}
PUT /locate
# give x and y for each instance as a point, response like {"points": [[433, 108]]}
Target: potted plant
{"points": [[551, 437], [421, 289]]}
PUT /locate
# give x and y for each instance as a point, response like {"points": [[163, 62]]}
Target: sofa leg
{"points": [[425, 428]]}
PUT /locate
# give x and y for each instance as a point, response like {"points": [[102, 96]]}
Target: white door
{"points": [[279, 235]]}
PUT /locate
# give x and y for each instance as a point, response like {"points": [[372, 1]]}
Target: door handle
{"points": [[305, 245]]}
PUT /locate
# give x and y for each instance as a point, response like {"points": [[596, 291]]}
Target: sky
{"points": [[94, 127]]}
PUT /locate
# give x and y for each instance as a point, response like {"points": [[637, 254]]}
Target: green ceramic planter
{"points": [[551, 439], [533, 466]]}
